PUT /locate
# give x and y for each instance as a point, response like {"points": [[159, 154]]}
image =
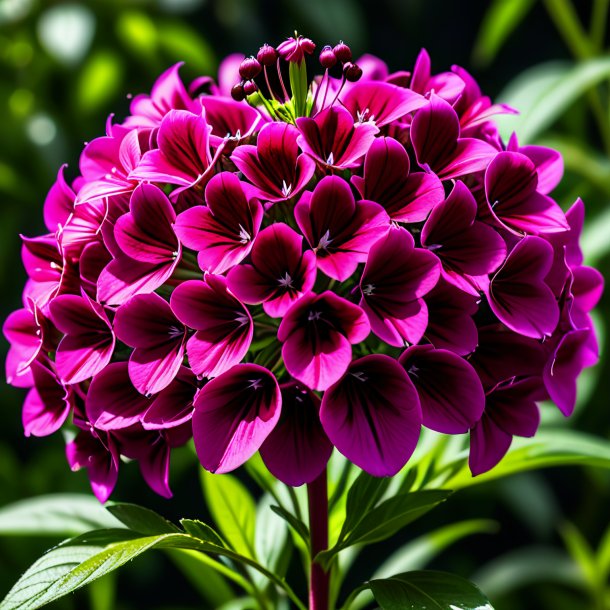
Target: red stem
{"points": [[317, 494]]}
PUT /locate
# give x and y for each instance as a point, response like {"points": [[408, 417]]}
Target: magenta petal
{"points": [[59, 202], [146, 233], [462, 243], [47, 404], [380, 103], [234, 414], [317, 332], [456, 408], [511, 409], [125, 277], [340, 231], [112, 401], [517, 293], [99, 456], [174, 405], [224, 326], [297, 449], [333, 139], [229, 119], [373, 415], [563, 368]]}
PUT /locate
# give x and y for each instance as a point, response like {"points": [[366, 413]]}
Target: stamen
{"points": [[368, 290], [313, 315], [325, 240], [360, 376], [244, 236], [331, 159], [286, 281], [286, 189]]}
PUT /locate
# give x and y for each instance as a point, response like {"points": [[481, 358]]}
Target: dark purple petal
{"points": [[517, 293], [297, 449], [454, 406], [113, 402], [372, 415], [234, 414]]}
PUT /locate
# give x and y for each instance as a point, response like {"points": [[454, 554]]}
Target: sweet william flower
{"points": [[216, 270]]}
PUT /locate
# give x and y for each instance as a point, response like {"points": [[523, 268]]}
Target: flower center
{"points": [[325, 241], [286, 281], [244, 236], [368, 290], [314, 315]]}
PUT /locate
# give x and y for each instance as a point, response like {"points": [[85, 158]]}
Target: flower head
{"points": [[293, 266]]}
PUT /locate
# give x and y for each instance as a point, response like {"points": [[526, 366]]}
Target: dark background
{"points": [[51, 103]]}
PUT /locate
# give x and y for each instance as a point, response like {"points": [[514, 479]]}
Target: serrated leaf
{"points": [[201, 530], [57, 514], [233, 510], [500, 20], [141, 520], [428, 590], [296, 524], [548, 448]]}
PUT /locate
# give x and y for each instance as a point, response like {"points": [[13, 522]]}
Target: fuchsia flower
{"points": [[274, 166], [317, 333], [224, 230], [280, 272], [340, 230], [176, 294], [224, 326], [395, 277]]}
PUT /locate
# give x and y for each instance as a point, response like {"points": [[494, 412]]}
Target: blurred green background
{"points": [[64, 66]]}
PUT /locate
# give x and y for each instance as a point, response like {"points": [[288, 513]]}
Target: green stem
{"points": [[599, 21]]}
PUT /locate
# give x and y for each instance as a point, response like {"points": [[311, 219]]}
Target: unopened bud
{"points": [[352, 72], [238, 93], [327, 57], [250, 87], [249, 68], [342, 52], [266, 55]]}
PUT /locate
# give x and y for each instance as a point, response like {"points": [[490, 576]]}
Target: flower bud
{"points": [[249, 68], [266, 55], [327, 57], [238, 93], [352, 72], [342, 52], [250, 87]]}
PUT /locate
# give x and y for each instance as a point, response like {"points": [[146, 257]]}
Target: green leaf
{"points": [[233, 510], [419, 552], [296, 524], [548, 448], [141, 520], [99, 81], [543, 94], [273, 542], [428, 590], [582, 553], [182, 43], [603, 554], [386, 519], [500, 20], [202, 572], [362, 496], [531, 565], [57, 515], [201, 530]]}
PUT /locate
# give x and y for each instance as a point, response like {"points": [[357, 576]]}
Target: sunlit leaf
{"points": [[428, 590], [500, 21], [543, 93], [181, 43], [57, 515], [547, 448], [583, 555], [233, 510], [138, 32], [140, 519], [99, 81]]}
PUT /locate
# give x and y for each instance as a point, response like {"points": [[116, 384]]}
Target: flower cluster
{"points": [[295, 266]]}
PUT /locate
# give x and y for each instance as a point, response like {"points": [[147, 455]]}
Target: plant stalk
{"points": [[319, 579]]}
